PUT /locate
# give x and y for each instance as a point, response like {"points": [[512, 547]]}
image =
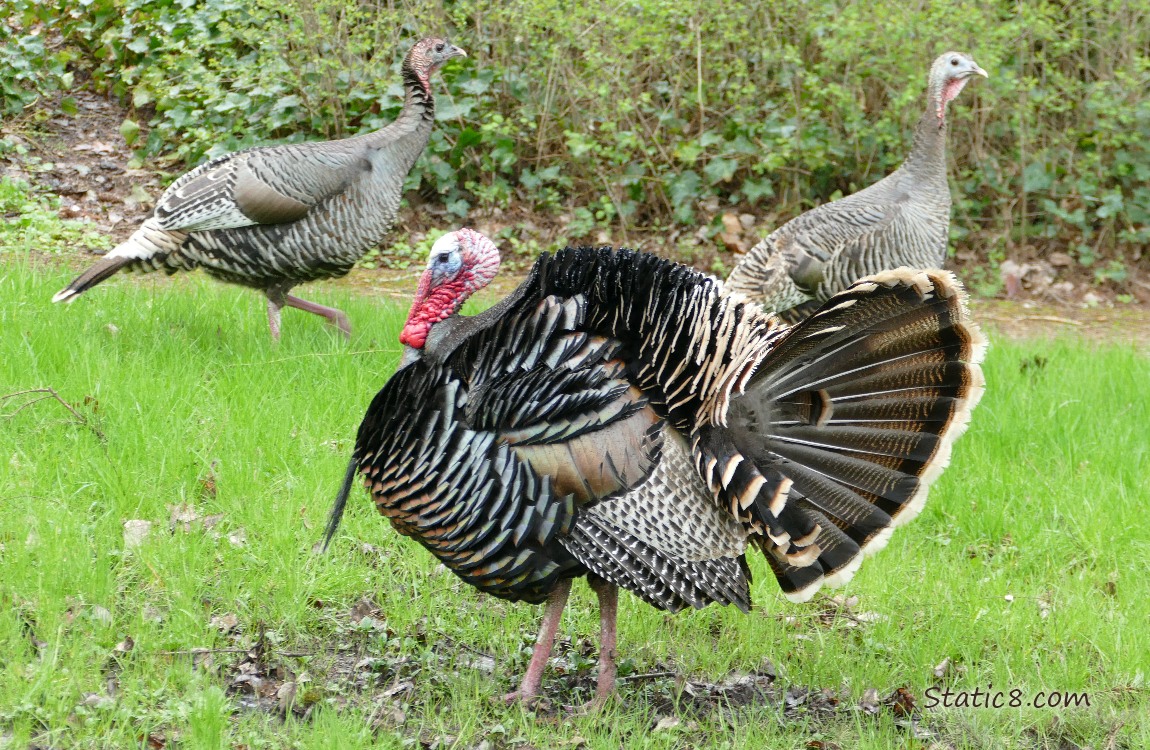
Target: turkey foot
{"points": [[335, 317], [277, 300], [528, 692]]}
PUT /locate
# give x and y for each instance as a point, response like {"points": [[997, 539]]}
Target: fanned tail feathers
{"points": [[848, 421]]}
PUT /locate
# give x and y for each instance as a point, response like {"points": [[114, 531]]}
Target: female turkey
{"points": [[277, 216], [901, 220], [619, 416]]}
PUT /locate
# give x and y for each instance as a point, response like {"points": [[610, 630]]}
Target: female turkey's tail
{"points": [[149, 248], [847, 422], [101, 270]]}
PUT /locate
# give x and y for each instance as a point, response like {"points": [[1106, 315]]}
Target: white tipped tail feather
{"points": [[149, 246], [859, 407]]}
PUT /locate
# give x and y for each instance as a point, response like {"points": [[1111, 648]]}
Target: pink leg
{"points": [[608, 611], [274, 318], [335, 317], [529, 687]]}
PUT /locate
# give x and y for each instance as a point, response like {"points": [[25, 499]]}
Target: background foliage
{"points": [[651, 114]]}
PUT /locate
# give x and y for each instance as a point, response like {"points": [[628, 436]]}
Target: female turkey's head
{"points": [[948, 75], [461, 263], [429, 55]]}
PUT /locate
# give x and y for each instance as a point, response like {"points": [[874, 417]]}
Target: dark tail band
{"points": [[100, 271]]}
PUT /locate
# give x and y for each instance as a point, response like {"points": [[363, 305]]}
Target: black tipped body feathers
{"points": [[622, 416]]}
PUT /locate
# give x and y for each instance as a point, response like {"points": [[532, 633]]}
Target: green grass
{"points": [[182, 399]]}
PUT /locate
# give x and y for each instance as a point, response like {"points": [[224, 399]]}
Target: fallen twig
{"points": [[237, 650], [51, 393], [646, 676]]}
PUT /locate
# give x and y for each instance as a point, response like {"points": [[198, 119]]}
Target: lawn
{"points": [[160, 586]]}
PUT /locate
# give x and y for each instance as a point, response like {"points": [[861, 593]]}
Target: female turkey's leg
{"points": [[529, 687], [336, 317], [608, 610], [274, 316]]}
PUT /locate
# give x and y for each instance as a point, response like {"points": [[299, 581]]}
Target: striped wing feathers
{"points": [[269, 185]]}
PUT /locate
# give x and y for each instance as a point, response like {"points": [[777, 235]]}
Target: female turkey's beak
{"points": [[457, 52]]}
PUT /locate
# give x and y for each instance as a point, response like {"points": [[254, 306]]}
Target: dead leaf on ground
{"points": [[155, 741], [942, 669], [403, 686], [666, 722], [225, 623], [869, 702], [361, 609], [135, 532], [901, 702]]}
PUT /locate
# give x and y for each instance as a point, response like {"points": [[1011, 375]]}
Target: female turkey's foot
{"points": [[528, 691], [336, 317]]}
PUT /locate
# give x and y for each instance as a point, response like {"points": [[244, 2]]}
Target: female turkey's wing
{"points": [[830, 234], [265, 185], [486, 459]]}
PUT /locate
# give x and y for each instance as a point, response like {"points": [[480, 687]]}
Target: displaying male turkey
{"points": [[619, 416], [277, 216], [901, 220]]}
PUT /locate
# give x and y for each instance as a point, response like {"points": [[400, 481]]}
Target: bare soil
{"points": [[84, 159]]}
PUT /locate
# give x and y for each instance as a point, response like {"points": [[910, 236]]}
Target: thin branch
{"points": [[646, 676], [51, 393]]}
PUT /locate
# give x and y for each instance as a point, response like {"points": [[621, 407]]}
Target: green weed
{"points": [[174, 503]]}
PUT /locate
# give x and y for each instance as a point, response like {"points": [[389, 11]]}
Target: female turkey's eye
{"points": [[439, 47]]}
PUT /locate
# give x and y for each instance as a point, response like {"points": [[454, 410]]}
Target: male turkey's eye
{"points": [[954, 61], [439, 47]]}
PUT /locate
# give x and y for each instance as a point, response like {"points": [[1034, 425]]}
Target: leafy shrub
{"points": [[652, 113]]}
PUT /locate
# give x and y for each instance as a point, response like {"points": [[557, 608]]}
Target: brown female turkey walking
{"points": [[901, 220], [277, 216], [619, 416]]}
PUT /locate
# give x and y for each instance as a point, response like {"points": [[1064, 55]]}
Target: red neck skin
{"points": [[434, 305]]}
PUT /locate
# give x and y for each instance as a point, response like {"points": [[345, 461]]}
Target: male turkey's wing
{"points": [[268, 185], [560, 399], [459, 492]]}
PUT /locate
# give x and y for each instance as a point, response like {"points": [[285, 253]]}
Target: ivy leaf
{"points": [[684, 188], [452, 110], [130, 130], [688, 151], [756, 190], [720, 170], [1036, 177]]}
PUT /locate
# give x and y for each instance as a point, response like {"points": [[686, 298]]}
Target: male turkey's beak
{"points": [[976, 70], [457, 52]]}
